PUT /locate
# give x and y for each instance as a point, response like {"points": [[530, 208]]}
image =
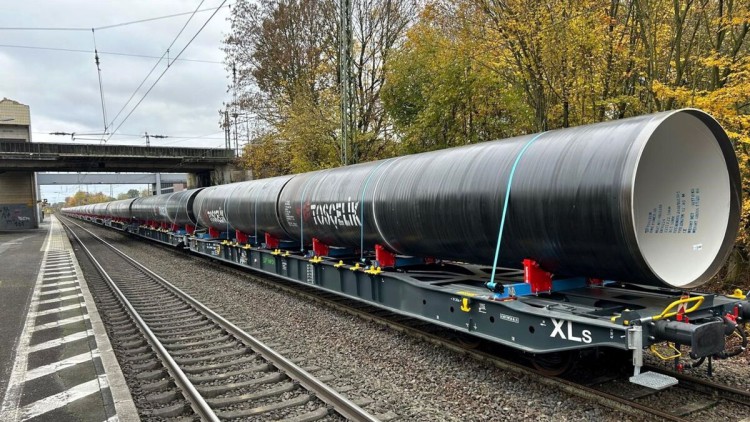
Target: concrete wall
{"points": [[17, 217], [17, 201]]}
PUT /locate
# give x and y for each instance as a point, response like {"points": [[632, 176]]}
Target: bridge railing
{"points": [[114, 150]]}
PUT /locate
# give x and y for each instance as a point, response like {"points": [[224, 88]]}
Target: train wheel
{"points": [[553, 364]]}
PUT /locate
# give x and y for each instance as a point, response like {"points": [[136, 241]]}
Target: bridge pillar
{"points": [[18, 206], [219, 176], [18, 191]]}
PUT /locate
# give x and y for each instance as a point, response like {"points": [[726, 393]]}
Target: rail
{"points": [[326, 394]]}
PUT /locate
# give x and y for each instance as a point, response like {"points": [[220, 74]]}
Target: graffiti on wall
{"points": [[14, 217]]}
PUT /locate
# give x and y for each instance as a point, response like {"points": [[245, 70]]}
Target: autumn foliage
{"points": [[85, 198], [446, 73]]}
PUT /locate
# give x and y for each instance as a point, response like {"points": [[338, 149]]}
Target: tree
{"points": [[474, 69], [284, 54], [439, 95], [85, 198]]}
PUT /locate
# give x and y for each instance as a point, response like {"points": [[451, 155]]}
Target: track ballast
{"points": [[189, 361]]}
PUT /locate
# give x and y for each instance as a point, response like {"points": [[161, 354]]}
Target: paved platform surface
{"points": [[56, 362]]}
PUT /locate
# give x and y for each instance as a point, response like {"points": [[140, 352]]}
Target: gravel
{"points": [[404, 378]]}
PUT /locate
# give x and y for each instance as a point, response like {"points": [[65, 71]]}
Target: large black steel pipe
{"points": [[120, 209], [653, 199], [173, 208], [249, 207]]}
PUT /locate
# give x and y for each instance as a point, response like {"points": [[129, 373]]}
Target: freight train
{"points": [[575, 239]]}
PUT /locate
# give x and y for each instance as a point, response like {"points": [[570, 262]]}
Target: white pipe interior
{"points": [[681, 201]]}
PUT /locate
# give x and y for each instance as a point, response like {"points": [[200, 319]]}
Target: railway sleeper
{"points": [[315, 415], [161, 384], [137, 350], [176, 314], [297, 401], [174, 310], [152, 375], [228, 354], [204, 368], [265, 367], [199, 334], [182, 328], [216, 390], [175, 346], [172, 322], [172, 411], [188, 351], [133, 344], [140, 357], [147, 365], [163, 396], [275, 391]]}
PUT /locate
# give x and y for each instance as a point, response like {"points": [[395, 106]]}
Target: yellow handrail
{"points": [[666, 314]]}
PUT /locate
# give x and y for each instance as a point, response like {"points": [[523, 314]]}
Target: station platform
{"points": [[56, 361]]}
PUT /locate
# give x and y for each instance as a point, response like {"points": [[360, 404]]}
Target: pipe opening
{"points": [[681, 201]]}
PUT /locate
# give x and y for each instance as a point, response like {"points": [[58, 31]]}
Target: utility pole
{"points": [[148, 138], [227, 135], [234, 107], [345, 80]]}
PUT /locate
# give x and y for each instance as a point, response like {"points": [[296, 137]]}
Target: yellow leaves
{"points": [[85, 198], [716, 60]]}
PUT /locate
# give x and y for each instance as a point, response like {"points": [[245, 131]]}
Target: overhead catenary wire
{"points": [[167, 68], [117, 25], [153, 68], [102, 53]]}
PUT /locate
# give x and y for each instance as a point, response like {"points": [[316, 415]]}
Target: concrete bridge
{"points": [[110, 178], [18, 156]]}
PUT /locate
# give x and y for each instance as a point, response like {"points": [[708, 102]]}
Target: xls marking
{"points": [[558, 332]]}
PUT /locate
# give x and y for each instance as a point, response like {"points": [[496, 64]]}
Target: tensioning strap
{"points": [[505, 203]]}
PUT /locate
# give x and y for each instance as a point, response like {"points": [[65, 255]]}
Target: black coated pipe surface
{"points": [[653, 199]]}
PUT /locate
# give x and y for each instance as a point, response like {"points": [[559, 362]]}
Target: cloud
{"points": [[62, 88]]}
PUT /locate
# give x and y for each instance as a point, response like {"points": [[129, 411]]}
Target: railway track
{"points": [[611, 390], [188, 361]]}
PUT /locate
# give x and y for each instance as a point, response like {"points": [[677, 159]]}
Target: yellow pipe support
{"points": [[737, 294], [667, 314], [374, 270]]}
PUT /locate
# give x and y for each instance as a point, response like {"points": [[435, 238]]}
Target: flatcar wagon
{"points": [[569, 240]]}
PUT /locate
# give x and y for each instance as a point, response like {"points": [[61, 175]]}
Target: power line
{"points": [[110, 53], [152, 71], [117, 25], [167, 68], [135, 135]]}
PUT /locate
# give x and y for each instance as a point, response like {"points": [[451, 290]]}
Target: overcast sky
{"points": [[62, 87]]}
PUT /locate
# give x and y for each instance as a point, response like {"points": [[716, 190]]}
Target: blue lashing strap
{"points": [[491, 283]]}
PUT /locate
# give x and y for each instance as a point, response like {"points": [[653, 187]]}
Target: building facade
{"points": [[19, 207]]}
